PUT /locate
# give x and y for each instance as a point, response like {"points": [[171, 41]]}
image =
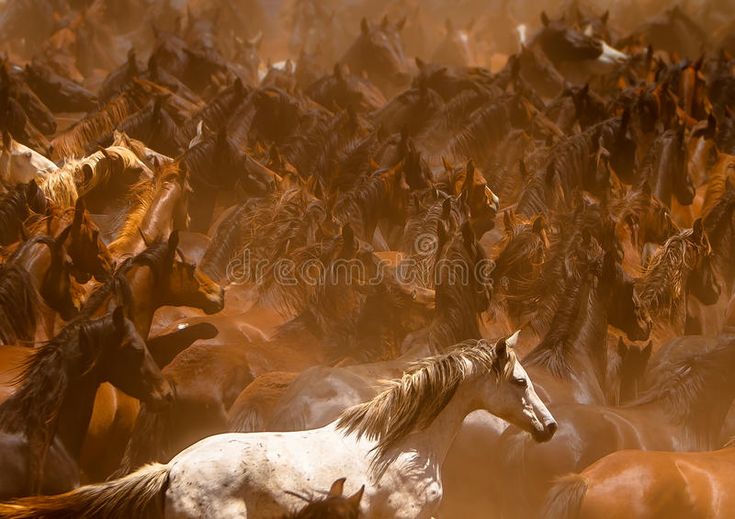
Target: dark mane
{"points": [[361, 205], [116, 286], [717, 216], [18, 304], [457, 300], [15, 207], [420, 236], [34, 409], [555, 350], [75, 141], [696, 390]]}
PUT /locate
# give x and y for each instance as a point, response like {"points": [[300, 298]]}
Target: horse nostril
{"points": [[551, 428]]}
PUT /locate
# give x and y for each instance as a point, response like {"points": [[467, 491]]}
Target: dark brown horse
{"points": [[44, 423], [378, 53], [334, 505]]}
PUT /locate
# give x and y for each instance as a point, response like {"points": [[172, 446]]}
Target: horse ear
{"points": [[79, 209], [400, 24], [711, 126], [468, 235], [448, 26], [354, 499], [118, 317], [645, 188], [420, 64], [624, 120], [507, 222], [364, 27], [605, 16], [7, 140], [173, 242], [469, 178], [256, 40], [544, 18], [348, 239], [441, 237], [622, 349], [446, 208], [539, 224], [698, 231], [337, 488], [512, 340], [384, 22], [32, 190]]}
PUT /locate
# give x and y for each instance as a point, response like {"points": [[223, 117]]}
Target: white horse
{"points": [[20, 164], [394, 445]]}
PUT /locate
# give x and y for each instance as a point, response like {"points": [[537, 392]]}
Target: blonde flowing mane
{"points": [[142, 195], [60, 186], [415, 400]]}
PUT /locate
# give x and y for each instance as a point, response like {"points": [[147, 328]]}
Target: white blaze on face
{"points": [[611, 56], [522, 31]]}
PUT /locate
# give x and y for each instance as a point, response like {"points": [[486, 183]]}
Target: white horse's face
{"points": [[515, 400], [26, 164]]}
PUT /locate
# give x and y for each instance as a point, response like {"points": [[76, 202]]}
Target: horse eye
{"points": [[522, 382]]}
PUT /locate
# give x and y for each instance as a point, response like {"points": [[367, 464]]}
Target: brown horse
{"points": [[680, 412], [142, 284], [16, 206], [301, 402], [43, 425], [682, 266], [159, 206], [334, 505], [378, 53], [679, 485]]}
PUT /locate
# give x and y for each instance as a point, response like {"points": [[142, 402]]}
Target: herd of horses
{"points": [[419, 269]]}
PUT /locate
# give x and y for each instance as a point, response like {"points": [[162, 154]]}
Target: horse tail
{"points": [[564, 500], [139, 495]]}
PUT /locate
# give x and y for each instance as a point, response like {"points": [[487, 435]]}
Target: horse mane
{"points": [[718, 213], [116, 285], [18, 304], [364, 201], [717, 184], [227, 241], [691, 386], [43, 383], [549, 288], [413, 402], [420, 235], [456, 317], [523, 245], [312, 298], [75, 141], [485, 129], [662, 285], [555, 350], [15, 207], [141, 196], [60, 186]]}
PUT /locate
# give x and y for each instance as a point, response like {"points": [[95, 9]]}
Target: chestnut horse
{"points": [[676, 485]]}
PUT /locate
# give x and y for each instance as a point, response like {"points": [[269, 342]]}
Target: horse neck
{"points": [[578, 342], [452, 323], [434, 441], [159, 218], [590, 343], [144, 287], [76, 411], [37, 262]]}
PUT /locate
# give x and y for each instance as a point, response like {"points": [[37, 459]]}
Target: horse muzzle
{"points": [[545, 433]]}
